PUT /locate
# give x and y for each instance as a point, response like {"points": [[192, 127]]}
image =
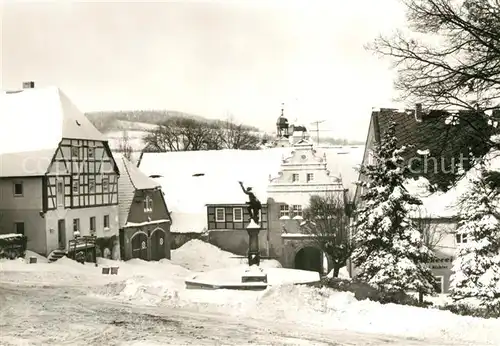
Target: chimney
{"points": [[29, 85], [418, 112]]}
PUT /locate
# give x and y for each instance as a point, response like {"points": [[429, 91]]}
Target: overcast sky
{"points": [[208, 57]]}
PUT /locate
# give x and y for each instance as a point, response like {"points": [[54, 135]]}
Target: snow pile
{"points": [[340, 310], [275, 276], [10, 235], [39, 258], [343, 273], [199, 256]]}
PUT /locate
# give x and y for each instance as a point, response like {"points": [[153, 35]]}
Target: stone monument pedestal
{"points": [[253, 273], [253, 230]]}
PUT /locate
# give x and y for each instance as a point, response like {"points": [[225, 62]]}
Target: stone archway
{"points": [[158, 239], [139, 243], [309, 258]]}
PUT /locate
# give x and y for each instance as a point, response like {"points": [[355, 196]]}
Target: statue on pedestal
{"points": [[254, 205]]}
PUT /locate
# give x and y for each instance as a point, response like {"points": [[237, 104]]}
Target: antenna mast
{"points": [[317, 122]]}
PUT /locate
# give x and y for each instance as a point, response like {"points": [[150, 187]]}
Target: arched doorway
{"points": [[140, 246], [158, 240], [309, 258]]}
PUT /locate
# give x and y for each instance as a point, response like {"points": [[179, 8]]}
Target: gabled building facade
{"points": [[302, 175], [144, 216], [58, 182], [435, 152]]}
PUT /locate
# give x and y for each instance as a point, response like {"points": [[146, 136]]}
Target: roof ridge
{"points": [[128, 172]]}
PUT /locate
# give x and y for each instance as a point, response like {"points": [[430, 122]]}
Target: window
{"points": [[76, 225], [91, 184], [75, 186], [284, 210], [237, 214], [91, 152], [75, 151], [440, 282], [461, 238], [106, 221], [105, 184], [92, 225], [148, 204], [18, 189], [297, 210], [60, 193], [310, 177], [295, 177], [220, 215], [19, 227]]}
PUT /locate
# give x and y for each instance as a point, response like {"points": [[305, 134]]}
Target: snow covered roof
{"points": [[26, 164], [130, 180], [193, 179], [37, 119], [446, 204]]}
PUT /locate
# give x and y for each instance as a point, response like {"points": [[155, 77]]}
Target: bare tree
{"points": [[124, 146], [450, 57], [233, 135], [433, 234], [327, 220], [183, 134]]}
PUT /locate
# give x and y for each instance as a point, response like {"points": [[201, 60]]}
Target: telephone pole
{"points": [[317, 128]]}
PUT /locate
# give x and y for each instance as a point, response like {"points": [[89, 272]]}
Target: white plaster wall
{"points": [[84, 215]]}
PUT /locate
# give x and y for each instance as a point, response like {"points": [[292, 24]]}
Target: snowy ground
{"points": [[147, 304]]}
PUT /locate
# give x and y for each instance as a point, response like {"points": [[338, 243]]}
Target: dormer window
{"points": [[148, 204]]}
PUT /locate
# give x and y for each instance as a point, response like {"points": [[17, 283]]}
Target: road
{"points": [[43, 315]]}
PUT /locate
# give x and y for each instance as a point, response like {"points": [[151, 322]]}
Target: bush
{"points": [[364, 291], [473, 311]]}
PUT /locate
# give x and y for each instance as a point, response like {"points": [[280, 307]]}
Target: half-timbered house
{"points": [[144, 216], [58, 178]]}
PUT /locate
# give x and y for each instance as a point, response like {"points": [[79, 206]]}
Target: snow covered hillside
{"points": [[160, 285]]}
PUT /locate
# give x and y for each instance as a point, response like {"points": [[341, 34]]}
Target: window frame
{"points": [[60, 196], [91, 184], [307, 177], [105, 183], [75, 151], [463, 238], [148, 204], [223, 219], [293, 177], [20, 183], [297, 210], [283, 212], [241, 214], [104, 219], [76, 225]]}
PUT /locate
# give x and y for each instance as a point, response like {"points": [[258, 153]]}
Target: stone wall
{"points": [[236, 241]]}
